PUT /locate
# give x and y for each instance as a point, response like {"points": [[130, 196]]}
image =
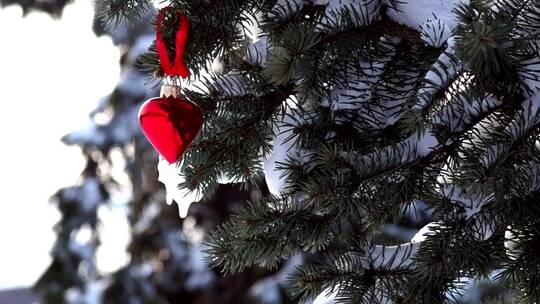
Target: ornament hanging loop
{"points": [[170, 88], [177, 67]]}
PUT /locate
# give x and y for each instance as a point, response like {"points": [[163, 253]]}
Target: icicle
{"points": [[170, 177]]}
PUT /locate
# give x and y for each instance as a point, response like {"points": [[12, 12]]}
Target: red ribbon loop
{"points": [[178, 67]]}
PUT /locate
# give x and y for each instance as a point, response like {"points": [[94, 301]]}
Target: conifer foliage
{"points": [[357, 110], [356, 113]]}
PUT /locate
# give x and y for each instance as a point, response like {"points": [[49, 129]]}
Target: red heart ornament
{"points": [[170, 124]]}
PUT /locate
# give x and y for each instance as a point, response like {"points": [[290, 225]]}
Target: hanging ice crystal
{"points": [[170, 177]]}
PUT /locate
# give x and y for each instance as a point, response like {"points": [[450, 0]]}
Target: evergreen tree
{"points": [[360, 115], [357, 111], [165, 256]]}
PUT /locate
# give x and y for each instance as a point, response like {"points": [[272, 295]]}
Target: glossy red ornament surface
{"points": [[170, 124]]}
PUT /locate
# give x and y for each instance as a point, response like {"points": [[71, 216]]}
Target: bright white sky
{"points": [[52, 73]]}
